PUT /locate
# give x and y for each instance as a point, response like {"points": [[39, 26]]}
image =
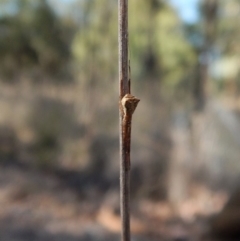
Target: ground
{"points": [[36, 205]]}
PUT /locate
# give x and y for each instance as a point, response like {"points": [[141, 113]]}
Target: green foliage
{"points": [[176, 53], [35, 38], [228, 28], [222, 35], [158, 48], [95, 44], [32, 37]]}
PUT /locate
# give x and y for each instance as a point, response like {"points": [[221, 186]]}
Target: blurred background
{"points": [[59, 151]]}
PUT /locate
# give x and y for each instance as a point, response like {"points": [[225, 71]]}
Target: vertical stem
{"points": [[123, 90]]}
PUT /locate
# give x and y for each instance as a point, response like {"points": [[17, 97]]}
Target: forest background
{"points": [[59, 151]]}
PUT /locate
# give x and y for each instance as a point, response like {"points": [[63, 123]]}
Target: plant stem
{"points": [[123, 90]]}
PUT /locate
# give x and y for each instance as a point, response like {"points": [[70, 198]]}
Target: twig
{"points": [[128, 104]]}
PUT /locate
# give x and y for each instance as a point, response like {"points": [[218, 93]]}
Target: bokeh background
{"points": [[59, 151]]}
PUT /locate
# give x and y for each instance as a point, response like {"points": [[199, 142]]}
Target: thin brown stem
{"points": [[128, 104], [123, 90]]}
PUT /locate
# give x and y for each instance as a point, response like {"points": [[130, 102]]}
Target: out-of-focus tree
{"points": [[216, 39], [158, 49], [227, 66], [32, 38], [95, 45], [205, 48], [158, 44]]}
